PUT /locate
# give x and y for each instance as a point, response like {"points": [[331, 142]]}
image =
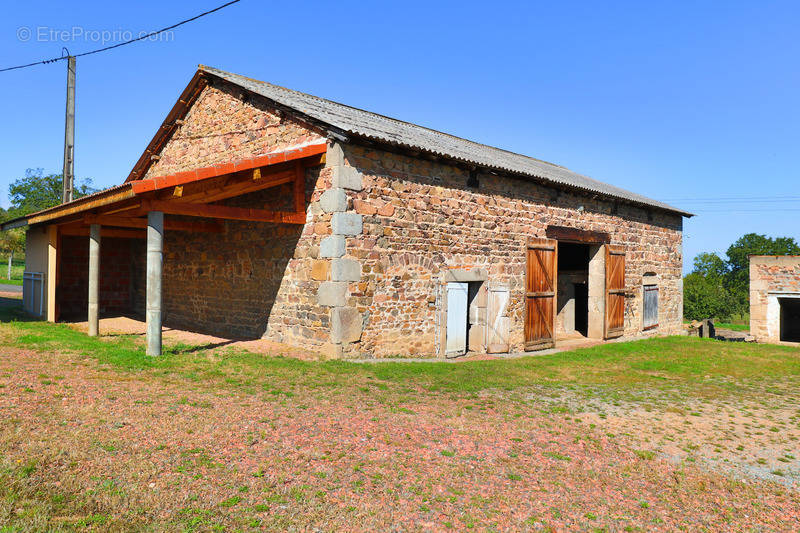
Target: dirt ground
{"points": [[146, 450], [754, 434], [110, 327], [121, 325]]}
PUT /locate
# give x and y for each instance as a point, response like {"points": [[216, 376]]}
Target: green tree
{"points": [[710, 265], [37, 191], [11, 241], [704, 297], [704, 294]]}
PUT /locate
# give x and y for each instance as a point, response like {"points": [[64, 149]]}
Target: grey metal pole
{"points": [[10, 260], [69, 134], [94, 280], [155, 252]]}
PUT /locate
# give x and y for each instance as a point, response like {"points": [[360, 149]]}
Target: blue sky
{"points": [[691, 102]]}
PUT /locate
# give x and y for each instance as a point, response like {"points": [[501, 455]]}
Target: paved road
{"points": [[10, 288]]}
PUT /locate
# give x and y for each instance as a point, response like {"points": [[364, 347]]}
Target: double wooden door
{"points": [[541, 293]]}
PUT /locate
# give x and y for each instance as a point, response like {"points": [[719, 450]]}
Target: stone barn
{"points": [[775, 298], [258, 211]]}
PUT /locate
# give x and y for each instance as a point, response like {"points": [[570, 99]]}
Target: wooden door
{"points": [[541, 279], [497, 321], [615, 291]]}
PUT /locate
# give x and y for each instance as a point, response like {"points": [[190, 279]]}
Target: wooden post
{"points": [[155, 252], [52, 270], [94, 279]]}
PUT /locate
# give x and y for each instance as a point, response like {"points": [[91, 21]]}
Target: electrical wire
{"points": [[140, 38]]}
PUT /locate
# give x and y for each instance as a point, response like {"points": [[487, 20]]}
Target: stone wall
{"points": [[253, 280], [224, 125], [419, 219], [771, 278], [116, 273]]}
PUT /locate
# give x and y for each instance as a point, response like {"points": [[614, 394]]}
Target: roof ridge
{"points": [[212, 70], [384, 129]]}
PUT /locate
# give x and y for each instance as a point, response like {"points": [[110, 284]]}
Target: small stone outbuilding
{"points": [[258, 211], [775, 298]]}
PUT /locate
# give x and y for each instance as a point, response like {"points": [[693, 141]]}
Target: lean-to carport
{"points": [[145, 209]]}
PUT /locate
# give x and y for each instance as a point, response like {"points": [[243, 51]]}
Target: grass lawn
{"points": [[659, 434], [733, 327]]}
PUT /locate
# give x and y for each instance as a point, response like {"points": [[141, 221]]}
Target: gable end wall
{"points": [[770, 277], [254, 279], [225, 124]]}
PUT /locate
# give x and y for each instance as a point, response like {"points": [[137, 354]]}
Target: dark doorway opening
{"points": [[573, 289], [582, 308], [790, 319]]}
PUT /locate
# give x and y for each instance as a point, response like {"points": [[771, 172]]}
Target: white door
{"points": [[456, 318], [499, 324]]}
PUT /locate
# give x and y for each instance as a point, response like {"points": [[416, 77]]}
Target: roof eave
{"points": [[374, 140], [14, 223]]}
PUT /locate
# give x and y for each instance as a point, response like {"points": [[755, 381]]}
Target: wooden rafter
{"points": [[230, 186], [169, 224], [83, 231], [224, 212]]}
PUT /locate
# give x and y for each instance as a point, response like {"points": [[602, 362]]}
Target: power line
{"points": [[140, 38], [737, 210], [723, 203], [734, 199]]}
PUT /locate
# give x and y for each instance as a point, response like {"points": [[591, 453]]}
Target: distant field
{"points": [[734, 327], [17, 269]]}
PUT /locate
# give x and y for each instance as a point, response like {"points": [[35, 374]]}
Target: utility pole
{"points": [[69, 134]]}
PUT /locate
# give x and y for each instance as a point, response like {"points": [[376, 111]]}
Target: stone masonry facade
{"points": [[225, 124], [365, 275], [420, 219], [116, 289], [772, 278]]}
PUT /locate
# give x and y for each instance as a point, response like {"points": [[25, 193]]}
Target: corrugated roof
{"points": [[377, 127]]}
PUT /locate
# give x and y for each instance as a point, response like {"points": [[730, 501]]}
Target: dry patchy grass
{"points": [[619, 437]]}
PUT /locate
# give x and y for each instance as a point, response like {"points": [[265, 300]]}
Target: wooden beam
{"points": [[121, 209], [311, 151], [173, 225], [234, 185], [225, 212], [83, 231], [563, 233], [82, 204]]}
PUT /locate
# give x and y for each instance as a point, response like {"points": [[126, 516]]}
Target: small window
{"points": [[650, 306]]}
